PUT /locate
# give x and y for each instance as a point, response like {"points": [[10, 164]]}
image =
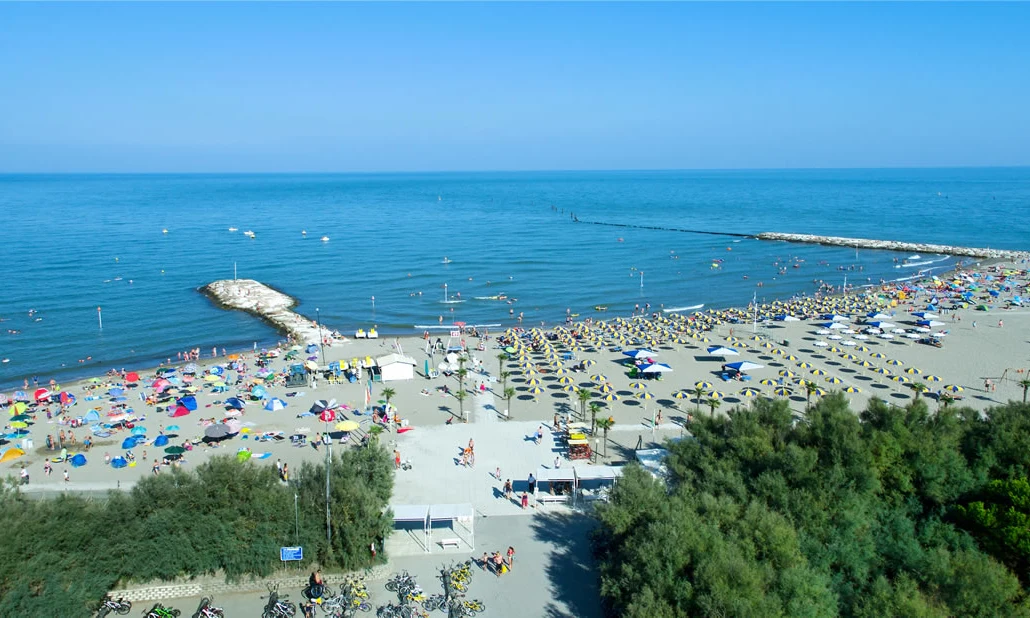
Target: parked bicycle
{"points": [[108, 605], [400, 611], [160, 611], [459, 607], [207, 610], [278, 607]]}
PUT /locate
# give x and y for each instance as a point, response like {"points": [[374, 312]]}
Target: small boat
{"points": [[679, 309], [325, 239], [303, 232], [6, 360], [233, 229], [600, 307], [164, 231], [249, 233], [446, 260], [497, 297]]}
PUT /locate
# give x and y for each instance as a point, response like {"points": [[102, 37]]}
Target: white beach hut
{"points": [[396, 367]]}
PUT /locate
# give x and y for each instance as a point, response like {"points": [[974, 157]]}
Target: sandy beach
{"points": [[546, 368]]}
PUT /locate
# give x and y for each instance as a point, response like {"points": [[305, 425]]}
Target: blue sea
{"points": [[78, 242]]}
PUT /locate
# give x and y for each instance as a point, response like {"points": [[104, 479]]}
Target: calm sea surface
{"points": [[74, 243]]}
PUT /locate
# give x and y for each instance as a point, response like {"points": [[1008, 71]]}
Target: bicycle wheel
{"points": [[123, 608], [103, 611], [365, 606], [392, 585], [291, 609]]}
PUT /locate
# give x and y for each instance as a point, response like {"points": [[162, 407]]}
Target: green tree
{"points": [[509, 393], [462, 373], [713, 403], [461, 396], [698, 393], [501, 359], [919, 388], [605, 424], [583, 395], [1001, 522], [373, 434], [1025, 385], [594, 409], [504, 376], [388, 394], [810, 389]]}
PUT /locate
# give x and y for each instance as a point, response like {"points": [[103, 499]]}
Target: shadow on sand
{"points": [[574, 587]]}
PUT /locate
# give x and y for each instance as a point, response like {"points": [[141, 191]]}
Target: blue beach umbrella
{"points": [[258, 392], [78, 460], [139, 431], [116, 392], [119, 462], [161, 441], [129, 443]]}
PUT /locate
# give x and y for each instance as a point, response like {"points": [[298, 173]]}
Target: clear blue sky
{"points": [[395, 87]]}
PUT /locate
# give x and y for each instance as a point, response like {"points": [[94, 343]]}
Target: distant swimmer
{"points": [[620, 239]]}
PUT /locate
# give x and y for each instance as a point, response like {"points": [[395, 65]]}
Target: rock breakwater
{"points": [[268, 304], [892, 245]]}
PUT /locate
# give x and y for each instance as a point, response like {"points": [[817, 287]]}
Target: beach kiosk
{"points": [[555, 485], [396, 367]]}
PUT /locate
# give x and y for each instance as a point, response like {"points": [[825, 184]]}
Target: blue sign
{"points": [[291, 553]]}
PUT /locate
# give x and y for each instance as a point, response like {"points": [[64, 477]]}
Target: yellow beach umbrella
{"points": [[787, 373], [878, 355], [767, 382], [852, 389], [565, 380], [953, 388], [702, 385], [895, 362], [913, 371], [716, 395], [610, 397], [901, 379], [749, 392], [536, 390], [932, 378], [212, 378], [599, 377], [782, 391], [644, 395], [533, 382], [569, 388], [637, 386], [834, 380], [804, 365], [682, 395]]}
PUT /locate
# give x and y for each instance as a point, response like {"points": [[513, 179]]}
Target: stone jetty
{"points": [[268, 304], [891, 245]]}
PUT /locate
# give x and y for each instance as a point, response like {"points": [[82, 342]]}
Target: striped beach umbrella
{"points": [[565, 380], [882, 371], [790, 357], [819, 392], [782, 391], [804, 365], [767, 382], [536, 390], [610, 397], [755, 338], [865, 363], [818, 372], [766, 344], [606, 388], [787, 373], [953, 388], [716, 395], [589, 362], [599, 377], [749, 392], [702, 385], [895, 362], [644, 395], [561, 371], [569, 388], [914, 371], [852, 389], [901, 379], [731, 339], [862, 348], [637, 386], [878, 355], [834, 380], [682, 395], [533, 382], [850, 357], [932, 378]]}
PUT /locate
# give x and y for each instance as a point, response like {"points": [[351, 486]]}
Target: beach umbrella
{"points": [[41, 394], [953, 388], [656, 368], [605, 388], [139, 431], [132, 376], [819, 392], [569, 388], [913, 371], [532, 382], [834, 380], [782, 391], [716, 395], [819, 344], [852, 389], [589, 363], [767, 382], [644, 395], [932, 378], [17, 407], [749, 392], [878, 355], [719, 350], [162, 439], [681, 395], [634, 354], [610, 397], [216, 432], [790, 357], [895, 362], [21, 418], [21, 396], [565, 380], [274, 404], [175, 450], [347, 426], [19, 424], [536, 390], [212, 378], [190, 368], [744, 366], [160, 384], [599, 378], [258, 392], [639, 386], [116, 392], [818, 372], [787, 373], [702, 384], [901, 379]]}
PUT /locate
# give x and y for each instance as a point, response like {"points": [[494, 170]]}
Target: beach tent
{"points": [[235, 402], [78, 460], [119, 462], [396, 367], [10, 453], [130, 442], [274, 404], [190, 403], [67, 399], [91, 417], [161, 440], [179, 411]]}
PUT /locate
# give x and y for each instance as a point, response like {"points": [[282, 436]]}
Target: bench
{"points": [[448, 542], [549, 498]]}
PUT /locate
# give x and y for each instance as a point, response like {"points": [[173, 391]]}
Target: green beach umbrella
{"points": [[175, 450]]}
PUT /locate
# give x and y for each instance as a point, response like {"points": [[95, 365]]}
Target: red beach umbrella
{"points": [[160, 384], [132, 376], [180, 411], [41, 394]]}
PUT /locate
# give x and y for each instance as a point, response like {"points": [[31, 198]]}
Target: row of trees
{"points": [[896, 511], [61, 556]]}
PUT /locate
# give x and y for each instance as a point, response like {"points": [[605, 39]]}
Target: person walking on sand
{"points": [[511, 557], [67, 479], [47, 468], [539, 434], [508, 489], [525, 498], [396, 459]]}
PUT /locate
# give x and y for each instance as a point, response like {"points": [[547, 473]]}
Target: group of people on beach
{"points": [[496, 563]]}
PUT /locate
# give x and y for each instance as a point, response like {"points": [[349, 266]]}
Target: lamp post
{"points": [[321, 341]]}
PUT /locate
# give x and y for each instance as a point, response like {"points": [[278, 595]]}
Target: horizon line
{"points": [[508, 171]]}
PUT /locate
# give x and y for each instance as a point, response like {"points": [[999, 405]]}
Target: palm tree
{"points": [[919, 388], [594, 409], [605, 424], [810, 389], [462, 373], [698, 391], [373, 434], [713, 403], [388, 394], [501, 358], [509, 392], [460, 396], [947, 399], [1025, 384], [584, 396], [504, 376]]}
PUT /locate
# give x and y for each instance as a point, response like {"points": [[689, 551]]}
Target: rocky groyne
{"points": [[891, 245], [268, 304]]}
